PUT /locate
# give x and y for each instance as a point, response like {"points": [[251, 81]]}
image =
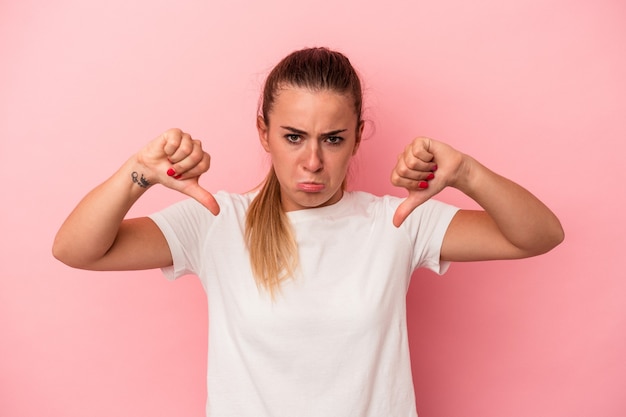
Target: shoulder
{"points": [[365, 199], [431, 211], [234, 201], [362, 199]]}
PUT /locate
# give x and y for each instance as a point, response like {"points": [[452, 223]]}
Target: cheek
{"points": [[347, 159], [281, 159]]}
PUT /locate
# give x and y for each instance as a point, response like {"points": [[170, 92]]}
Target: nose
{"points": [[313, 157]]}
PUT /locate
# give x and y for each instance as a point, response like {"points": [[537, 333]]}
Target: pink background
{"points": [[534, 89]]}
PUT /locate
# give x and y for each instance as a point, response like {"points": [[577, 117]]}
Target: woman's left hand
{"points": [[424, 168], [512, 224]]}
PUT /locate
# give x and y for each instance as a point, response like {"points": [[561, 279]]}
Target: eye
{"points": [[293, 138], [334, 140]]}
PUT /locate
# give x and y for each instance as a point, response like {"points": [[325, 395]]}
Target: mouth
{"points": [[310, 187]]}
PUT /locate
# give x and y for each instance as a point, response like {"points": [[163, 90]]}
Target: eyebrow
{"points": [[302, 132]]}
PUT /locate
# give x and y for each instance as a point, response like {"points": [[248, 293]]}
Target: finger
{"points": [[202, 196], [172, 138], [402, 175], [177, 151], [412, 169], [414, 161], [421, 149], [414, 200], [195, 164]]}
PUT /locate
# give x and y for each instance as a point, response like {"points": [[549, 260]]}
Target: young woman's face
{"points": [[311, 137]]}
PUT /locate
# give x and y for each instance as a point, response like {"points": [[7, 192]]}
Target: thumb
{"points": [[202, 196], [414, 200]]}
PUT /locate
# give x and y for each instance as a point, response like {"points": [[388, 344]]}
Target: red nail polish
{"points": [[422, 184], [178, 176], [430, 176], [435, 168], [171, 172]]}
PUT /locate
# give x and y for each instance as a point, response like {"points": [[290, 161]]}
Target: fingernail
{"points": [[178, 176], [435, 168], [171, 172], [430, 176], [422, 184]]}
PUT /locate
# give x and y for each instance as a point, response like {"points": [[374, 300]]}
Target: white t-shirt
{"points": [[334, 341]]}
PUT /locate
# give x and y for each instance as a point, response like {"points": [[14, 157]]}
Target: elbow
{"points": [[66, 254], [58, 252], [61, 253], [539, 242], [557, 237], [560, 236], [550, 239]]}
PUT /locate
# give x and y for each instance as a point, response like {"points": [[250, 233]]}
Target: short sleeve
{"points": [[182, 225], [427, 226]]}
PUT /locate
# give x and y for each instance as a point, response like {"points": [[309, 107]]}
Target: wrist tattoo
{"points": [[140, 181]]}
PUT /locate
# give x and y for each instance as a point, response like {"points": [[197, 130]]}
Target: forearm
{"points": [[521, 218], [91, 229]]}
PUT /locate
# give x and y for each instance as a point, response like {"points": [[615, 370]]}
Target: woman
{"points": [[306, 282]]}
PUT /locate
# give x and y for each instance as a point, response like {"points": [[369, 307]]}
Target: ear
{"points": [[263, 130], [359, 135]]}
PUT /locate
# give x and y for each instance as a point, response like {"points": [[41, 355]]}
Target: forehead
{"points": [[302, 103]]}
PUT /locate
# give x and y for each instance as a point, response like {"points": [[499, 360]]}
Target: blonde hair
{"points": [[269, 235]]}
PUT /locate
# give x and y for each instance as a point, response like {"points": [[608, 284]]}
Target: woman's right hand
{"points": [[113, 242], [176, 160]]}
